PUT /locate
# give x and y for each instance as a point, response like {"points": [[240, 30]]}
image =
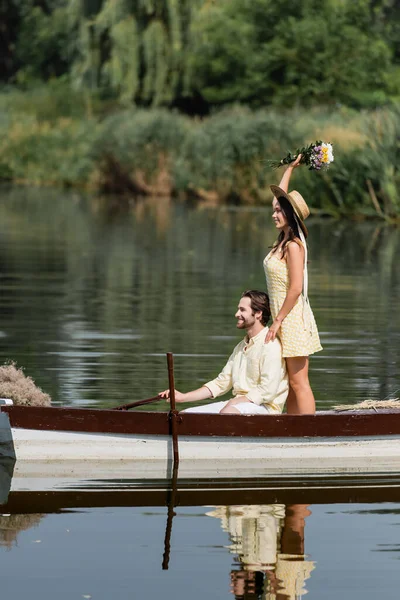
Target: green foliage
{"points": [[263, 52], [364, 179], [47, 154], [140, 139], [49, 102], [127, 134], [121, 71], [222, 158], [226, 152], [43, 42], [138, 52], [166, 52]]}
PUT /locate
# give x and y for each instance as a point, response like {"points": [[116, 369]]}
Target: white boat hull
{"points": [[87, 456]]}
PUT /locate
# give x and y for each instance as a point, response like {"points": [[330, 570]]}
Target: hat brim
{"points": [[279, 192]]}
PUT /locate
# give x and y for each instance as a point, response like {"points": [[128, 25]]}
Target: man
{"points": [[255, 370]]}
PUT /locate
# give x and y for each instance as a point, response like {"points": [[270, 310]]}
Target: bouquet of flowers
{"points": [[317, 156]]}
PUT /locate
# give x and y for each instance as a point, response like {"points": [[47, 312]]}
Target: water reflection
{"points": [[268, 544], [12, 525], [246, 551], [94, 293]]}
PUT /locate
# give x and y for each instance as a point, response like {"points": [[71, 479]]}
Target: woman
{"points": [[286, 273]]}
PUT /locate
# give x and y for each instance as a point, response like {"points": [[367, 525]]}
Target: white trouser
{"points": [[245, 408]]}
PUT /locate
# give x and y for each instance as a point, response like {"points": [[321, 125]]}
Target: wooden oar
{"points": [[173, 413], [138, 403], [170, 515], [173, 420]]}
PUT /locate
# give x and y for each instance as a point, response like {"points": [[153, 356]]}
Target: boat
{"points": [[55, 459], [76, 442], [58, 443]]}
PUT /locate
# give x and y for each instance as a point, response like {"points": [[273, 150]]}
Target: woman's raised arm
{"points": [[284, 183]]}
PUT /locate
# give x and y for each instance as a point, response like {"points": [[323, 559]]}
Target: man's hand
{"points": [[202, 393], [179, 397]]}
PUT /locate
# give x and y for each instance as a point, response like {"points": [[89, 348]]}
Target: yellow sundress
{"points": [[298, 332]]}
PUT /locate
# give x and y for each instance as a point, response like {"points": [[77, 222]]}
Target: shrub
{"points": [[222, 157], [14, 384], [137, 148], [44, 153]]}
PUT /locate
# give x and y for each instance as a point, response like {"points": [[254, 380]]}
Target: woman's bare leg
{"points": [[291, 402], [303, 402], [292, 539]]}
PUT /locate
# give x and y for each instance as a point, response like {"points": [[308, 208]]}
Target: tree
{"points": [[263, 52], [9, 23], [171, 52], [137, 50]]}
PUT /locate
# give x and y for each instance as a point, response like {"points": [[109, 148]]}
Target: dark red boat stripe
{"points": [[157, 423]]}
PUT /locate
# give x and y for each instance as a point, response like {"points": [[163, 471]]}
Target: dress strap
{"points": [[306, 303]]}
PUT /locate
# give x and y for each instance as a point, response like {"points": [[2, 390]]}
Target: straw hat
{"points": [[297, 202]]}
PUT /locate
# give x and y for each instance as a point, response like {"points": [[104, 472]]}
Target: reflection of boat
{"points": [[71, 494], [87, 441], [269, 539], [54, 495]]}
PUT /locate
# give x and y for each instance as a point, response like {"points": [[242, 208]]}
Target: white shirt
{"points": [[255, 370]]}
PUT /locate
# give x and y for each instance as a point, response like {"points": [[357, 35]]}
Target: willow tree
{"points": [[138, 49]]}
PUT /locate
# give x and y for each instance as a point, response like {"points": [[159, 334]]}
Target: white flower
{"points": [[329, 149]]}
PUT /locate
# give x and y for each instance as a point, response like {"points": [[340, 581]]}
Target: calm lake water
{"points": [[270, 552], [92, 296]]}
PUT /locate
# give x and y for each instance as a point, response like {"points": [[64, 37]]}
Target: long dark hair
{"points": [[294, 234]]}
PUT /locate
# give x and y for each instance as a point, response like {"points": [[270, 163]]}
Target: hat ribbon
{"points": [[306, 304]]}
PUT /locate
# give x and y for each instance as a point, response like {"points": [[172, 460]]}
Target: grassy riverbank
{"points": [[51, 139]]}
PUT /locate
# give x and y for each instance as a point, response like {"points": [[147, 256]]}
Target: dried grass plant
{"points": [[22, 390], [393, 403]]}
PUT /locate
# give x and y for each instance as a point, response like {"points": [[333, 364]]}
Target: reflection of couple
{"points": [[268, 541], [271, 364]]}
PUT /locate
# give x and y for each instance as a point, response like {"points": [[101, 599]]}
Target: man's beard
{"points": [[244, 324]]}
